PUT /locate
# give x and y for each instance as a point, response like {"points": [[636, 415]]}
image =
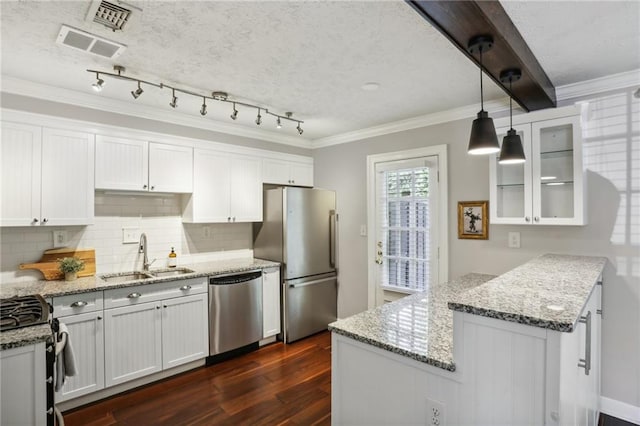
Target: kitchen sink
{"points": [[128, 276], [171, 272]]}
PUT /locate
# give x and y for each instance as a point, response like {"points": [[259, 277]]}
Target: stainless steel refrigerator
{"points": [[299, 231]]}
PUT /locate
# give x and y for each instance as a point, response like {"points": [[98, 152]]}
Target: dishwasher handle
{"points": [[235, 279]]}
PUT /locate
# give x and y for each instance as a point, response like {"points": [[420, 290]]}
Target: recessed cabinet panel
{"points": [[246, 189], [121, 164], [170, 168], [282, 172]]}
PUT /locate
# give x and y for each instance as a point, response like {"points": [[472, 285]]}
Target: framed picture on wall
{"points": [[473, 220]]}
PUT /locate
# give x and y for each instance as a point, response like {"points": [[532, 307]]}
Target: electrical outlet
{"points": [[130, 235], [363, 230], [514, 239], [206, 232], [435, 413], [60, 239]]}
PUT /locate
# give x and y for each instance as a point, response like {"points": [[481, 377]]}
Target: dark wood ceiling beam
{"points": [[459, 21]]}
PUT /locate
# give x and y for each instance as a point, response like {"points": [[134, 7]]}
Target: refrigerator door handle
{"points": [[323, 280], [332, 238]]}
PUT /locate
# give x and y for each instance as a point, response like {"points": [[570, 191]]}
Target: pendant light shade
{"points": [[483, 139], [511, 151]]}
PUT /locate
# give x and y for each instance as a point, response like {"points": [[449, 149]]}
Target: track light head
{"points": [[137, 92], [300, 131], [278, 123], [234, 114], [259, 118], [98, 85], [174, 99], [203, 110]]}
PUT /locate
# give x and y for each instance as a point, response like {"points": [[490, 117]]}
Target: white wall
{"points": [[612, 155], [158, 217]]}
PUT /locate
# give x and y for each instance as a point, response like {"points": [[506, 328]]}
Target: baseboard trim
{"points": [[620, 409]]}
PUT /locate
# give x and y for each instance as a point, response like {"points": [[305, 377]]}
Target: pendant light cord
{"points": [[510, 105], [481, 96]]}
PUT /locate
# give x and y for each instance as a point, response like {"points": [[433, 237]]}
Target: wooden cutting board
{"points": [[48, 265]]}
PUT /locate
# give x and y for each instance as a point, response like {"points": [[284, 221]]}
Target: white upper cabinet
{"points": [[226, 188], [135, 165], [282, 172], [47, 176], [548, 189]]}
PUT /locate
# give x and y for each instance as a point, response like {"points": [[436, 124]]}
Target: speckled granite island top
{"points": [[39, 333], [89, 284], [548, 292], [419, 326]]}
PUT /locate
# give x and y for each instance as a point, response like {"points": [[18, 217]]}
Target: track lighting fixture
{"points": [[137, 92], [511, 151], [174, 99], [99, 84], [214, 96], [203, 110], [483, 139]]}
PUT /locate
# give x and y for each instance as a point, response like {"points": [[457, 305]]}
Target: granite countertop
{"points": [[88, 284], [549, 292], [39, 333], [419, 326]]}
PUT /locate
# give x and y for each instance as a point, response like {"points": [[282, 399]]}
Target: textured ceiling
{"points": [[308, 57]]}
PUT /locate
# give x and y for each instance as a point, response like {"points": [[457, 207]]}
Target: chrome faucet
{"points": [[143, 249]]}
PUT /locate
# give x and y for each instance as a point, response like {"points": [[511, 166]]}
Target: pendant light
{"points": [[512, 151], [483, 139]]}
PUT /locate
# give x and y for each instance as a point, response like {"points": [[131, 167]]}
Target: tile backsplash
{"points": [[159, 216]]}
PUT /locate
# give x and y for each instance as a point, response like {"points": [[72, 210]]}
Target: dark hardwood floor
{"points": [[277, 384]]}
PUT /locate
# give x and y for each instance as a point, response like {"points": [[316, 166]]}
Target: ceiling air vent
{"points": [[110, 15], [90, 43]]}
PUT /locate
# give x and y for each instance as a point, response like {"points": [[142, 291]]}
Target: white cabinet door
{"points": [[133, 342], [302, 174], [271, 302], [210, 200], [67, 189], [170, 168], [121, 164], [185, 331], [21, 147], [276, 172], [87, 339], [22, 380], [246, 189]]}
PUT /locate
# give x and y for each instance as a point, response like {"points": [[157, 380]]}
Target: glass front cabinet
{"points": [[548, 188]]}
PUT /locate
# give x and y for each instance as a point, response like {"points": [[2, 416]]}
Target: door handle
{"points": [[586, 361], [323, 280], [332, 238]]}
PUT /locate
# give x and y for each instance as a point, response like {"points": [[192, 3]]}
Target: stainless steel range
{"points": [[23, 311]]}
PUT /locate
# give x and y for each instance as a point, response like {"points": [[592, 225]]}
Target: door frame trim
{"points": [[443, 241]]}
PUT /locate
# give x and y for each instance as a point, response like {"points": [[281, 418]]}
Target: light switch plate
{"points": [[60, 239], [130, 235], [514, 239]]}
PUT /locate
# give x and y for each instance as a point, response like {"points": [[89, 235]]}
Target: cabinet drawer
{"points": [[128, 296], [73, 304]]}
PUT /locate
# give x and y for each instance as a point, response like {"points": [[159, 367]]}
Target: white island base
{"points": [[506, 373]]}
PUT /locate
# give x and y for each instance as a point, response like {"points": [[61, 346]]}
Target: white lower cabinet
{"points": [[133, 342], [271, 302], [185, 330], [22, 382], [157, 334], [87, 339]]}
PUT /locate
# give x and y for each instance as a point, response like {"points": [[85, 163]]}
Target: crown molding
{"points": [[55, 94], [598, 85], [459, 113]]}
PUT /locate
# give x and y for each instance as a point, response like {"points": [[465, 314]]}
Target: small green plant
{"points": [[70, 264]]}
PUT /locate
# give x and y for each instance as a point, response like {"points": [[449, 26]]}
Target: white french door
{"points": [[406, 226]]}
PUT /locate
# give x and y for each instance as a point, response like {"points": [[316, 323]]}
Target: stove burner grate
{"points": [[23, 311]]}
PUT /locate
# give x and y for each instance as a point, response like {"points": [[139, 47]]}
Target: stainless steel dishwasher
{"points": [[235, 311]]}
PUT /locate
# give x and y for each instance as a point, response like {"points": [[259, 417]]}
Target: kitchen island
{"points": [[521, 348]]}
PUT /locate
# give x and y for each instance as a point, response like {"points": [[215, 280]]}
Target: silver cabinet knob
{"points": [[34, 220], [144, 186], [536, 219], [134, 295], [229, 219], [157, 306], [164, 306], [153, 187], [99, 317], [45, 220], [527, 219]]}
